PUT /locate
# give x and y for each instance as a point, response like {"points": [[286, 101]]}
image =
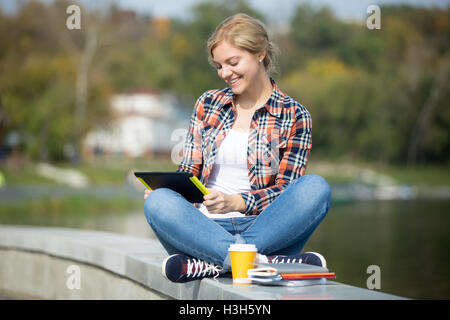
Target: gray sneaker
{"points": [[312, 258]]}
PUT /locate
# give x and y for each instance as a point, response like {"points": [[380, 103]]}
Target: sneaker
{"points": [[312, 258], [182, 268]]}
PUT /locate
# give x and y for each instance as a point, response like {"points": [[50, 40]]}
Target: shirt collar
{"points": [[273, 104]]}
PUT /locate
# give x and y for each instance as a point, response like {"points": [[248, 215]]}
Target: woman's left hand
{"points": [[218, 202]]}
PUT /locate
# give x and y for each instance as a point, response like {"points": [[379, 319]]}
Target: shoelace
{"points": [[200, 266], [284, 260]]}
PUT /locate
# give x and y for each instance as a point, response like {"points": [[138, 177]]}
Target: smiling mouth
{"points": [[233, 82]]}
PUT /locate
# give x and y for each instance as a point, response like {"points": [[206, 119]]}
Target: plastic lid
{"points": [[243, 247]]}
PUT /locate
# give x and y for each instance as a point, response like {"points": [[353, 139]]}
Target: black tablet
{"points": [[186, 184]]}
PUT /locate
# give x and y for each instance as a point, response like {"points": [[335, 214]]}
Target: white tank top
{"points": [[230, 173]]}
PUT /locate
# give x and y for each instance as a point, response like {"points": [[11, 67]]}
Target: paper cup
{"points": [[242, 258]]}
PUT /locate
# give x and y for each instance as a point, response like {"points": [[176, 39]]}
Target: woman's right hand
{"points": [[147, 192]]}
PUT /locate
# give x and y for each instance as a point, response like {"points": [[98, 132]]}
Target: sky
{"points": [[278, 9], [274, 10]]}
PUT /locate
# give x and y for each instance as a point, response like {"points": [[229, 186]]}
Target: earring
{"points": [[260, 60]]}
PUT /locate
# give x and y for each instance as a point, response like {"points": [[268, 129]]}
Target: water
{"points": [[408, 240]]}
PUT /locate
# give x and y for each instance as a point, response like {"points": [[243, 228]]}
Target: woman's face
{"points": [[237, 67]]}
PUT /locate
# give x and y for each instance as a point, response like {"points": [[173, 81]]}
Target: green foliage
{"points": [[36, 98], [317, 29], [367, 90]]}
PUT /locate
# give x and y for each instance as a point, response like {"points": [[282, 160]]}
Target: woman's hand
{"points": [[218, 202], [147, 192]]}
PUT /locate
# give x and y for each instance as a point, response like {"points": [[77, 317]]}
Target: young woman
{"points": [[249, 144]]}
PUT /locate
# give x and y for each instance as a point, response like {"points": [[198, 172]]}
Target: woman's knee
{"points": [[156, 203], [318, 188], [320, 184]]}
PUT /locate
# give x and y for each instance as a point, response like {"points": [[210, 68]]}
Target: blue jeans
{"points": [[283, 228]]}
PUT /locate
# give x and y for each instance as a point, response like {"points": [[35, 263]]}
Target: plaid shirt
{"points": [[279, 143]]}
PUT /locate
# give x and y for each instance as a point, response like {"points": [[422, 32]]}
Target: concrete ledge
{"points": [[42, 276], [34, 261]]}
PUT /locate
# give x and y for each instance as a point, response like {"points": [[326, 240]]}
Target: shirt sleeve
{"points": [[192, 160], [292, 165]]}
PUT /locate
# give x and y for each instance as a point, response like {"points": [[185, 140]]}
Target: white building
{"points": [[143, 124]]}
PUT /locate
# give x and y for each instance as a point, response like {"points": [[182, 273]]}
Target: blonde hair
{"points": [[245, 33]]}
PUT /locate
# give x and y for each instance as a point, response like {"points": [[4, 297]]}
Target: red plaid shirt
{"points": [[279, 143]]}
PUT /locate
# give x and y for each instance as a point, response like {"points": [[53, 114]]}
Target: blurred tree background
{"points": [[379, 96]]}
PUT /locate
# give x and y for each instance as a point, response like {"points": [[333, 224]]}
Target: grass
{"points": [[115, 172], [110, 172], [25, 175], [69, 206], [420, 175], [99, 172], [338, 172]]}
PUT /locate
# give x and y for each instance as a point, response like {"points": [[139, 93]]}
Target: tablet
{"points": [[185, 183]]}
